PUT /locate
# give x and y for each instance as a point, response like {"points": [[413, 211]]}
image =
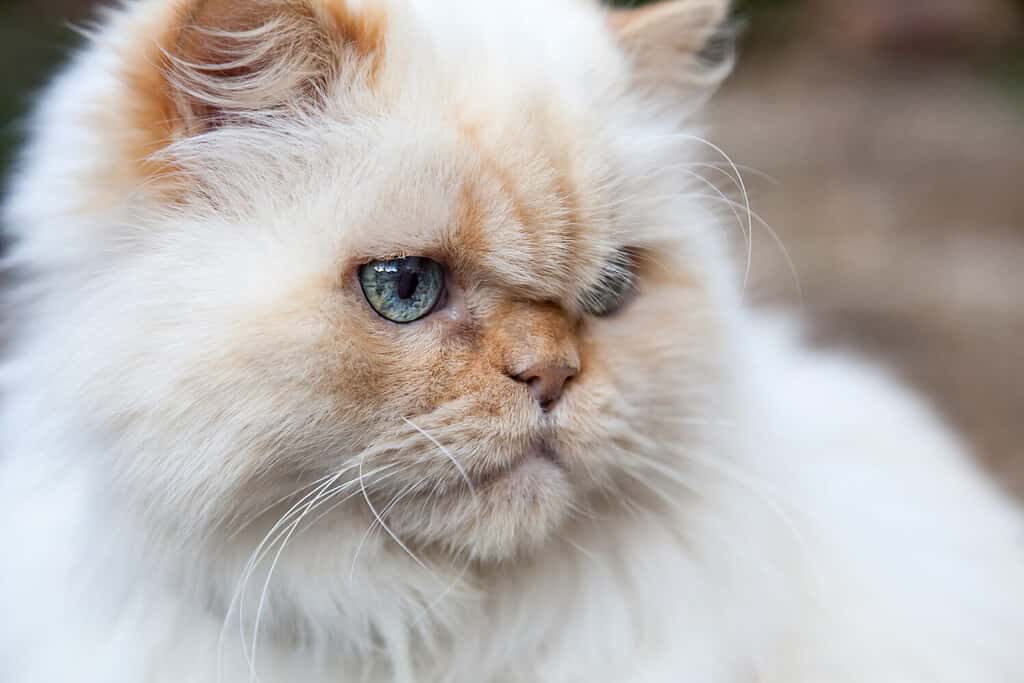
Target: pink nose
{"points": [[547, 382]]}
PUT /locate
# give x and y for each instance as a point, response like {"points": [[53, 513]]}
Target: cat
{"points": [[398, 340]]}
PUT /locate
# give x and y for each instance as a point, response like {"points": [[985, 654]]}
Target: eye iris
{"points": [[402, 290]]}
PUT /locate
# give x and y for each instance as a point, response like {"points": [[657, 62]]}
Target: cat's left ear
{"points": [[680, 50], [205, 64]]}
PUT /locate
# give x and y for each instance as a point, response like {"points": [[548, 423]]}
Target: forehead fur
{"points": [[480, 134], [536, 87]]}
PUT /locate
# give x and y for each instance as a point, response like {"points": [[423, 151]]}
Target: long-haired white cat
{"points": [[392, 341]]}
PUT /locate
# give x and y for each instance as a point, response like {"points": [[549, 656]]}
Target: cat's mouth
{"points": [[535, 457]]}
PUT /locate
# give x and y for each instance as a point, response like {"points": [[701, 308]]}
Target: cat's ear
{"points": [[221, 61], [680, 50]]}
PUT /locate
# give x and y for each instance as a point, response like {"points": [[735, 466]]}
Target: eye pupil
{"points": [[408, 281]]}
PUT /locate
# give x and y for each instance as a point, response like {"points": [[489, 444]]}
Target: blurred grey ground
{"points": [[893, 135]]}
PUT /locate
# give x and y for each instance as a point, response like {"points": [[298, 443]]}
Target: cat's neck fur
{"points": [[589, 592]]}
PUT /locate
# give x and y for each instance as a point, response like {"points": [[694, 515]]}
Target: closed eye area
{"points": [[616, 281]]}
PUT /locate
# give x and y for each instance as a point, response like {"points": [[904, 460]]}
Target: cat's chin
{"points": [[529, 470], [511, 511]]}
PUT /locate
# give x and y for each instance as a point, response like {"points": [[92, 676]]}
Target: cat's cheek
{"points": [[377, 360]]}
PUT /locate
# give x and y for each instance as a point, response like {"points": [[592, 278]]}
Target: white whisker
{"points": [[351, 494], [266, 587], [775, 238], [445, 451], [373, 524], [250, 565], [270, 506], [373, 510], [735, 169]]}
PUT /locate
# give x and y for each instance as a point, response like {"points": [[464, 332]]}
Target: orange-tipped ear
{"points": [[679, 48], [218, 61]]}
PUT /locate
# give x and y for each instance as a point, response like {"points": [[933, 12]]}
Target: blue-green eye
{"points": [[402, 289]]}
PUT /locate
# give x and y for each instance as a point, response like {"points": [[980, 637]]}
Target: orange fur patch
{"points": [[522, 334], [470, 216], [558, 208], [521, 209], [158, 113], [152, 121], [364, 30]]}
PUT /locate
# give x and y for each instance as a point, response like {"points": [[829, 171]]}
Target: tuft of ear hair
{"points": [[218, 62], [680, 49]]}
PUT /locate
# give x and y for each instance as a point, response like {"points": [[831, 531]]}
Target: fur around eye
{"points": [[402, 290], [617, 280]]}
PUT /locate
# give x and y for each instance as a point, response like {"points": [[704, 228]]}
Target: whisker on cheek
{"points": [[373, 525], [380, 520], [282, 528], [447, 453], [288, 496], [266, 583], [254, 558], [351, 492]]}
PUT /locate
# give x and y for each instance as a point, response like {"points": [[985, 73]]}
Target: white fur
{"points": [[822, 525]]}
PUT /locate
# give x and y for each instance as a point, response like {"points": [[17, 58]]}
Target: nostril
{"points": [[547, 382]]}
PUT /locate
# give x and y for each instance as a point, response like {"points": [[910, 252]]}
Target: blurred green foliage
{"points": [[31, 45]]}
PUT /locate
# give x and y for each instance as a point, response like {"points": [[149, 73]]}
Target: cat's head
{"points": [[446, 259]]}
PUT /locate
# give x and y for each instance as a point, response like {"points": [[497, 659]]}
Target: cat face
{"points": [[439, 263]]}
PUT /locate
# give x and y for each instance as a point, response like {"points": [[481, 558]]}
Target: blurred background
{"points": [[880, 141]]}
